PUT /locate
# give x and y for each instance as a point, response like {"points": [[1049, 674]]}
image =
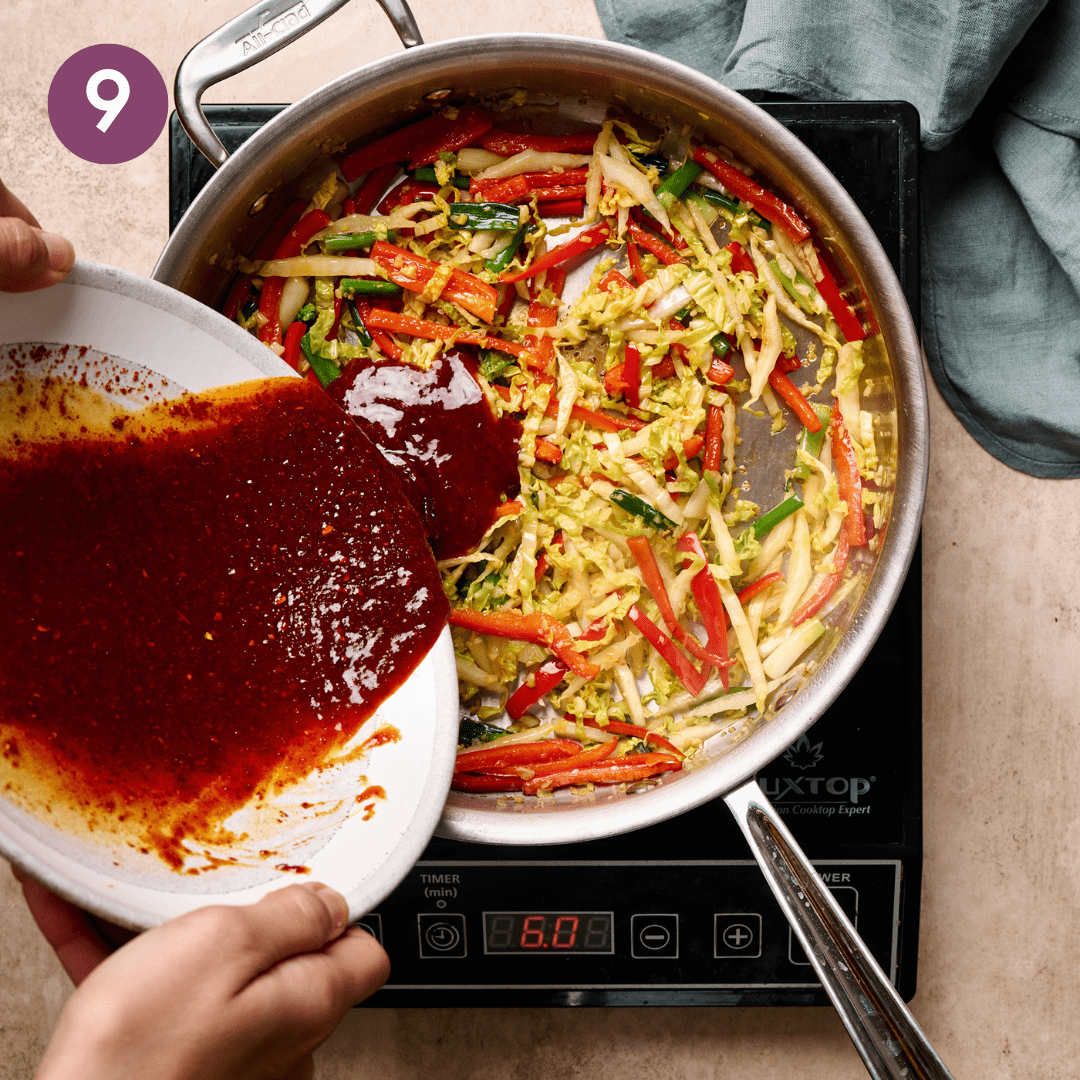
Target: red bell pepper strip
{"points": [[546, 677], [625, 769], [466, 127], [652, 243], [569, 208], [291, 356], [406, 192], [688, 675], [548, 451], [511, 190], [507, 296], [538, 627], [369, 193], [741, 263], [487, 782], [710, 603], [632, 377], [793, 396], [762, 583], [558, 194], [544, 315], [844, 314], [502, 758], [509, 143], [691, 448], [847, 477], [714, 442], [720, 371], [603, 421], [419, 143], [586, 757], [298, 238], [787, 363], [617, 727], [421, 328], [464, 289], [584, 241], [750, 191], [611, 279], [615, 378], [633, 257], [525, 182], [385, 342], [506, 509], [825, 589], [238, 294], [264, 249]]}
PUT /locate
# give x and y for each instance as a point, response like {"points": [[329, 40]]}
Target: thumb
{"points": [[297, 919], [31, 258]]}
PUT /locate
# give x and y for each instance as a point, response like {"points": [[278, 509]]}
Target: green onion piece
{"points": [[362, 287], [721, 346], [676, 183], [348, 241], [472, 731], [427, 174], [639, 508], [307, 314], [493, 362], [657, 161], [733, 206], [500, 217], [682, 316], [811, 441], [789, 287], [771, 518], [325, 370], [358, 324], [501, 261], [251, 307]]}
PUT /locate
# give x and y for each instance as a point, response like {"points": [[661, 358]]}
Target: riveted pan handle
{"points": [[885, 1033], [249, 38]]}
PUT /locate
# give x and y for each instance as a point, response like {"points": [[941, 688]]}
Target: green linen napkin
{"points": [[997, 86]]}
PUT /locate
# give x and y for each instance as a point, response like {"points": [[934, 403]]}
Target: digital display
{"points": [[553, 932]]}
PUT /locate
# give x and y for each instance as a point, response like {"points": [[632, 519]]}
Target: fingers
{"points": [[30, 258], [67, 929], [314, 990], [297, 919]]}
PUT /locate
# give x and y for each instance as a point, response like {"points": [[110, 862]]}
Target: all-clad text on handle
{"points": [[249, 38]]}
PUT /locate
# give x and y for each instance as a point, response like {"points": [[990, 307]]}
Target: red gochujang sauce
{"points": [[457, 460], [214, 597]]}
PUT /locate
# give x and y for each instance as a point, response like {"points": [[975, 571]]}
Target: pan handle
{"points": [[891, 1044], [247, 39]]}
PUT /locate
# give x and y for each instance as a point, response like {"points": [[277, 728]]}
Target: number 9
{"points": [[110, 107]]}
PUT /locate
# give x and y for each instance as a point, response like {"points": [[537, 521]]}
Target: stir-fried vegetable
{"points": [[632, 601]]}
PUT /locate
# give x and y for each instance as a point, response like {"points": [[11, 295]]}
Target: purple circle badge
{"points": [[108, 104]]}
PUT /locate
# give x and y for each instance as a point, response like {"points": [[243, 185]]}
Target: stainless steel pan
{"points": [[580, 78]]}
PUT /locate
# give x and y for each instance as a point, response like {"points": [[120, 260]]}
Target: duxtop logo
{"points": [[803, 755]]}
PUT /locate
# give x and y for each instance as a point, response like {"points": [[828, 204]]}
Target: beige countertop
{"points": [[999, 949]]}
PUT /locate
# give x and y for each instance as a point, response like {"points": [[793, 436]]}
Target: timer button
{"points": [[372, 923], [654, 936], [442, 935]]}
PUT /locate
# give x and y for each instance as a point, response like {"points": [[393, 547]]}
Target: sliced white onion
{"points": [[669, 303], [472, 160]]}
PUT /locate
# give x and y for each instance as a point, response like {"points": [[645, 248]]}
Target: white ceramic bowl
{"points": [[142, 325]]}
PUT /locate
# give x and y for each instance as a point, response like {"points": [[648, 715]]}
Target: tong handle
{"points": [[884, 1032]]}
